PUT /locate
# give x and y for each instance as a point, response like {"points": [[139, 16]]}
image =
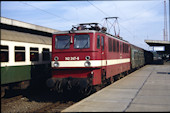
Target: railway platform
{"points": [[147, 89]]}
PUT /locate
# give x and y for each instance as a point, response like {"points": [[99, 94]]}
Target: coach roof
{"points": [[24, 37]]}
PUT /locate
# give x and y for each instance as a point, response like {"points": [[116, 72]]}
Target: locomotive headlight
{"points": [[56, 58], [87, 64], [87, 57], [56, 64]]}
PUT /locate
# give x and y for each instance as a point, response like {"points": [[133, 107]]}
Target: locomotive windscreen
{"points": [[81, 41], [62, 42]]}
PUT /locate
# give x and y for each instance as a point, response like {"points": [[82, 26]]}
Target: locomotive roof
{"points": [[24, 37], [88, 31]]}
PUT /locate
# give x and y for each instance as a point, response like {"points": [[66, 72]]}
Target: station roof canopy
{"points": [[166, 44], [21, 24], [157, 42]]}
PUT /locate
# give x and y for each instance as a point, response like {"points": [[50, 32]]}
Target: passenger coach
{"points": [[25, 59]]}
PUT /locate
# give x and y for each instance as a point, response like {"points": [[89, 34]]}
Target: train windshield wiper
{"points": [[85, 44], [67, 44]]}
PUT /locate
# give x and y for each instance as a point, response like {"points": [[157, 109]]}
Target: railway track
{"points": [[55, 107], [5, 101]]}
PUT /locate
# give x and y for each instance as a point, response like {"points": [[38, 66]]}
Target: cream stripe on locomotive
{"points": [[11, 45], [94, 63]]}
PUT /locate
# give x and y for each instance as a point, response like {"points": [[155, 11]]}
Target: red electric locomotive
{"points": [[87, 56]]}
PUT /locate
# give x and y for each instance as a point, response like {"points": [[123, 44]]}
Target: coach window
{"points": [[98, 42], [34, 55], [19, 53], [62, 42], [4, 53], [102, 42], [46, 54], [110, 44]]}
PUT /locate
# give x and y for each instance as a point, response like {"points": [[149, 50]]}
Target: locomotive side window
{"points": [[120, 47], [46, 54], [34, 55], [98, 42], [110, 44], [114, 45], [62, 42], [19, 53], [4, 53], [81, 41], [125, 48], [102, 42], [117, 46]]}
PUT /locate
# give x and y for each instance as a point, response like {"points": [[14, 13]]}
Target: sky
{"points": [[137, 20]]}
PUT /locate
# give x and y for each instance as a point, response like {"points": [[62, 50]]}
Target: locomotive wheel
{"points": [[121, 75], [103, 75], [97, 88], [117, 77], [88, 90], [112, 80], [104, 80], [126, 73]]}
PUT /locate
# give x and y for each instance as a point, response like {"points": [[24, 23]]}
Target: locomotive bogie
{"points": [[68, 79]]}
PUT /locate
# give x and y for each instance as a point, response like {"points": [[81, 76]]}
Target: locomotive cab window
{"points": [[4, 53], [19, 53], [81, 41], [62, 42], [34, 55], [46, 54]]}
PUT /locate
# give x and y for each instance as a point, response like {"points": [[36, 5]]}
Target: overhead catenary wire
{"points": [[106, 15], [76, 23], [98, 8], [60, 16], [47, 12]]}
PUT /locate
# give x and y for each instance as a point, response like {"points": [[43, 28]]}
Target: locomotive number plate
{"points": [[71, 58]]}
